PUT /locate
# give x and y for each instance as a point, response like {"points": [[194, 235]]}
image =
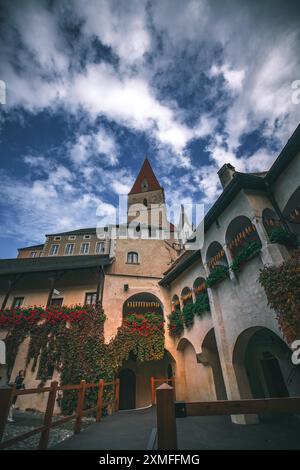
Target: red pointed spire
{"points": [[145, 177]]}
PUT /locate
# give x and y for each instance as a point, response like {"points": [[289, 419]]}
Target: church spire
{"points": [[146, 180]]}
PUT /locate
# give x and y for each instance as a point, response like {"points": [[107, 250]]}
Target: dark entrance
{"points": [[273, 377], [127, 389]]}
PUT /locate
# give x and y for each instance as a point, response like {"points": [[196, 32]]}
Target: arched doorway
{"points": [[210, 355], [127, 389], [263, 367]]}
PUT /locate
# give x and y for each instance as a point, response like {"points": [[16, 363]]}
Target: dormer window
{"points": [[144, 185], [132, 257]]}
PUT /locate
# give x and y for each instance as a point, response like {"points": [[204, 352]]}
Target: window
{"points": [[33, 254], [69, 250], [145, 202], [85, 248], [72, 237], [86, 237], [17, 302], [90, 298], [57, 301], [54, 250], [100, 247], [57, 238], [132, 257]]}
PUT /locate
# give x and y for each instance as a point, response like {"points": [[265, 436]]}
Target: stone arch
{"points": [[270, 220], [291, 211], [142, 303], [262, 365], [186, 296], [240, 232], [210, 357], [215, 255], [175, 303], [198, 377], [199, 286]]}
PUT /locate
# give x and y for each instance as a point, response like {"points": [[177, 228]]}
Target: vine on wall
{"points": [[282, 287], [71, 340]]}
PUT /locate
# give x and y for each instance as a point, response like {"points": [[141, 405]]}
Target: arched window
{"points": [[175, 303], [186, 296], [132, 257], [199, 286], [145, 202], [240, 233], [291, 212], [270, 220], [215, 256]]}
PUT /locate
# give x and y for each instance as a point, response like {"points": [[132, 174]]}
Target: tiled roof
{"points": [[147, 173], [32, 247]]}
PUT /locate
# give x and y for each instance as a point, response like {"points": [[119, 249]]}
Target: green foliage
{"points": [[188, 314], [175, 324], [201, 304], [219, 273], [282, 236], [71, 339], [282, 287], [245, 254]]}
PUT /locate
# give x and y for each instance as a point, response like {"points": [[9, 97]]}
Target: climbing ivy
{"points": [[282, 287], [71, 340]]}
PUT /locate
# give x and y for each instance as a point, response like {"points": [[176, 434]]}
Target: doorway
{"points": [[127, 389]]}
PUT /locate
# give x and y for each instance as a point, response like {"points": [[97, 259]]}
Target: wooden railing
{"points": [[7, 395], [166, 419], [154, 383]]}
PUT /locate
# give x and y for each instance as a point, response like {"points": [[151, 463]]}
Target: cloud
{"points": [[94, 146]]}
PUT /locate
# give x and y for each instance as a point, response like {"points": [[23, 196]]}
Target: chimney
{"points": [[226, 174]]}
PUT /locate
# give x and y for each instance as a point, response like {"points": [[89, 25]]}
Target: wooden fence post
{"points": [[79, 409], [152, 383], [48, 416], [117, 394], [166, 421], [99, 400], [6, 396]]}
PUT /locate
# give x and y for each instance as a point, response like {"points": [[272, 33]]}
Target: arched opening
{"points": [[263, 367], [142, 303], [127, 389], [240, 233], [198, 377], [271, 221], [186, 296], [211, 358], [175, 303], [199, 286], [291, 212], [215, 256], [145, 202]]}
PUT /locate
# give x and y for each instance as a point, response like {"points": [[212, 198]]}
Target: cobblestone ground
{"points": [[25, 421]]}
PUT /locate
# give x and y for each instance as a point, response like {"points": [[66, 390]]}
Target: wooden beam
{"points": [[237, 407], [48, 416], [11, 283]]}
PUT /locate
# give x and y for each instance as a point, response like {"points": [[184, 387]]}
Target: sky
{"points": [[94, 86]]}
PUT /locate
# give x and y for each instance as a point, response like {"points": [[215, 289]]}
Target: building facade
{"points": [[232, 350]]}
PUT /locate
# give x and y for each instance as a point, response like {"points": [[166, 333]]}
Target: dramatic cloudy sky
{"points": [[95, 85]]}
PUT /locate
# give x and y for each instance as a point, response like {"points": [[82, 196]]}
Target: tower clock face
{"points": [[144, 185]]}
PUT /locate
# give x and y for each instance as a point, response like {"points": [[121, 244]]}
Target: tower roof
{"points": [[146, 173]]}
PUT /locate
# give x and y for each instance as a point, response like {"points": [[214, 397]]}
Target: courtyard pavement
{"points": [[129, 430]]}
